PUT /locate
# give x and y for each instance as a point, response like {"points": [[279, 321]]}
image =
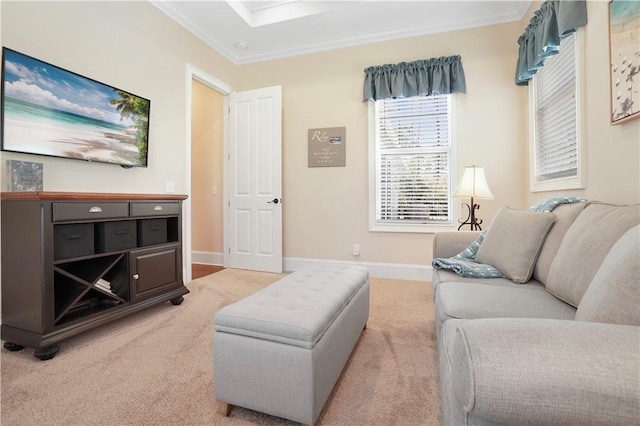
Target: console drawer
{"points": [[139, 209], [89, 211]]}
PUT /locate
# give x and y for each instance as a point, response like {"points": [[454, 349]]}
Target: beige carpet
{"points": [[155, 367]]}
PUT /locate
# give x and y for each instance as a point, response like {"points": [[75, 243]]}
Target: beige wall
{"points": [[326, 209], [134, 46], [129, 45], [206, 168], [613, 152]]}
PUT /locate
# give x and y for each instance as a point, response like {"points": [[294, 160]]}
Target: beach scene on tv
{"points": [[51, 111]]}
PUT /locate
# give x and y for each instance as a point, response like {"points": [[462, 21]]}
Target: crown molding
{"points": [[244, 57]]}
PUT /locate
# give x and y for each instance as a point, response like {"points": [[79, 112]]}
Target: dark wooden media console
{"points": [[74, 261]]}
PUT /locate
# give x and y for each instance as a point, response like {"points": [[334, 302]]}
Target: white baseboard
{"points": [[207, 258], [397, 271]]}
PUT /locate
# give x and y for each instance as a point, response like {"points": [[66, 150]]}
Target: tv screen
{"points": [[47, 110]]}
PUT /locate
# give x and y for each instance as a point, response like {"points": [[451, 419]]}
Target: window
{"points": [[555, 121], [411, 166]]}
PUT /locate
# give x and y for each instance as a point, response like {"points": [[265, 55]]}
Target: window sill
{"points": [[557, 184], [414, 229]]}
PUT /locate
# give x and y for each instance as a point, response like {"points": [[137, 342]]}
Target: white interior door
{"points": [[254, 236]]}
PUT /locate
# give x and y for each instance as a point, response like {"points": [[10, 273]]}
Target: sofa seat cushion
{"points": [[585, 246], [289, 310], [614, 294], [513, 242], [470, 301], [442, 276]]}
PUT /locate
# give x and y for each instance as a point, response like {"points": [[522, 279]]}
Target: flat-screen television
{"points": [[47, 110]]}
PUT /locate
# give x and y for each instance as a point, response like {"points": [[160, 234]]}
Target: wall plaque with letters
{"points": [[327, 147]]}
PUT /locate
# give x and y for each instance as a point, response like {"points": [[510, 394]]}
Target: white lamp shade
{"points": [[473, 184]]}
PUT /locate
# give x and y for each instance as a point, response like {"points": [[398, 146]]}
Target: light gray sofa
{"points": [[563, 347]]}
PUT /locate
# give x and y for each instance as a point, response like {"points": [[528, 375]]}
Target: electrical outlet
{"points": [[170, 186], [214, 190], [356, 249]]}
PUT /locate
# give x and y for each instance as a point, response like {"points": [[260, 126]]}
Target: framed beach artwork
{"points": [[624, 60], [47, 110]]}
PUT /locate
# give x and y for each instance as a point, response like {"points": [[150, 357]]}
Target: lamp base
{"points": [[471, 218]]}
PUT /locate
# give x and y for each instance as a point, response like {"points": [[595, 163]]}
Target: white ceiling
{"points": [[246, 31]]}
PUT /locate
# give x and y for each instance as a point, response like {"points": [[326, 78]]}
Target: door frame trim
{"points": [[194, 73]]}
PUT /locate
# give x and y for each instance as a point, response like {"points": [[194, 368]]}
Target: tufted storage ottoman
{"points": [[281, 350]]}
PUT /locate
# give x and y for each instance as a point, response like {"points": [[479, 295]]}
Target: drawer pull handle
{"points": [[136, 276], [157, 209], [121, 232], [95, 209], [74, 237]]}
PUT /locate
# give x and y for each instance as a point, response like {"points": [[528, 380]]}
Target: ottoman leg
{"points": [[224, 408]]}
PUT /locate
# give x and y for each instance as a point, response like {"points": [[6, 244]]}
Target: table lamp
{"points": [[473, 184]]}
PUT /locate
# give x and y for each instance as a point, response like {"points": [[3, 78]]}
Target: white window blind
{"points": [[556, 119], [413, 160]]}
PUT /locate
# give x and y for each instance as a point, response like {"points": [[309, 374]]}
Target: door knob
{"points": [[136, 276], [274, 201]]}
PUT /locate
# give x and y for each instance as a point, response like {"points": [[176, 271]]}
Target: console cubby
{"points": [[67, 293], [75, 286], [74, 261]]}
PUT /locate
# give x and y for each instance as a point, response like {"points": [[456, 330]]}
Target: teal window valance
{"points": [[436, 76], [553, 21]]}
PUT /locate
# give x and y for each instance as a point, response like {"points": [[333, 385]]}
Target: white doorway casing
{"points": [[193, 73], [260, 155]]}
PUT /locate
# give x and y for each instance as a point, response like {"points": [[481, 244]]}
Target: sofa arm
{"points": [[538, 371], [448, 244]]}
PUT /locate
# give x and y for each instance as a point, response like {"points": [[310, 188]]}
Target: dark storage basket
{"points": [[73, 240], [113, 236], [152, 231]]}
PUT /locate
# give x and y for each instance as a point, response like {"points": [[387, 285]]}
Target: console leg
{"points": [[44, 354], [224, 408], [13, 347], [177, 300]]}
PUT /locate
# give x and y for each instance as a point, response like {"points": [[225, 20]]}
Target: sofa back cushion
{"points": [[513, 241], [614, 294], [565, 215], [585, 246]]}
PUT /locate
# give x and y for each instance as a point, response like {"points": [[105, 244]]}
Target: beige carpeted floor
{"points": [[155, 367]]}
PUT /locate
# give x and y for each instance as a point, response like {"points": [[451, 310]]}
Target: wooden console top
{"points": [[88, 196]]}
